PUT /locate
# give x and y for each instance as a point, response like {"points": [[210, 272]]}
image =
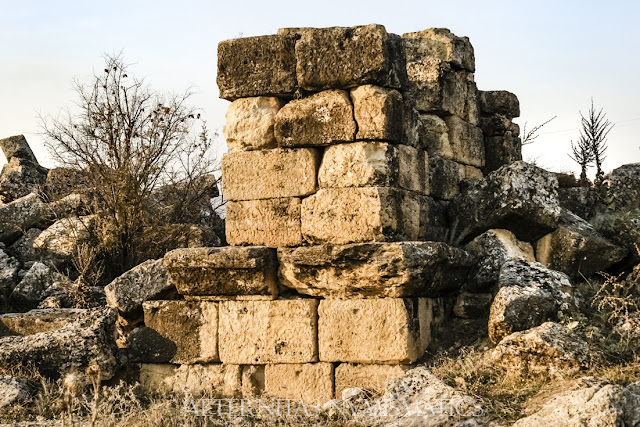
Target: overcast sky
{"points": [[554, 55]]}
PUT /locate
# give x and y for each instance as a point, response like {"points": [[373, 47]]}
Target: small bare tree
{"points": [[583, 155], [529, 136], [131, 142], [595, 128]]}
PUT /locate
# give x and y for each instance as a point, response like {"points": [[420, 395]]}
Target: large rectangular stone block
{"points": [[373, 378], [444, 177], [256, 332], [370, 164], [443, 45], [364, 270], [189, 327], [271, 222], [224, 272], [307, 382], [467, 142], [342, 57], [347, 215], [387, 330], [379, 113], [270, 174], [249, 123], [255, 66], [211, 380]]}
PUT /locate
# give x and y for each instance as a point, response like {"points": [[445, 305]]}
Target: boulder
{"points": [[582, 201], [577, 249], [59, 242], [499, 102], [520, 197], [624, 187], [147, 281], [626, 233], [88, 340], [19, 215], [30, 290], [320, 119], [22, 174], [257, 66], [528, 288], [340, 57], [249, 123], [492, 249], [366, 270], [23, 249], [549, 349], [590, 401], [9, 268], [13, 390], [378, 113]]}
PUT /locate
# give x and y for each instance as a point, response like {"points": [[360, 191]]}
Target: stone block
{"points": [[443, 45], [386, 330], [378, 112], [20, 215], [257, 332], [346, 215], [271, 222], [249, 123], [444, 177], [257, 66], [191, 326], [224, 271], [342, 57], [365, 270], [501, 151], [467, 142], [472, 172], [270, 174], [372, 378], [36, 321], [370, 164], [306, 382], [210, 380], [499, 102], [434, 136], [320, 119], [434, 222]]}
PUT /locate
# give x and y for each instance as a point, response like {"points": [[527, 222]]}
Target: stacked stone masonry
{"points": [[346, 146]]}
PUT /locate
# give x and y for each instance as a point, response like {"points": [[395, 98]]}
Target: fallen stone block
{"points": [[23, 249], [624, 187], [30, 290], [467, 142], [9, 269], [521, 198], [577, 249], [387, 330], [343, 58], [19, 215], [18, 147], [321, 119], [20, 177], [306, 382], [371, 378], [444, 177], [191, 326], [374, 164], [379, 113], [270, 174], [257, 66], [59, 242], [364, 270], [271, 222], [36, 321], [211, 380], [501, 151], [223, 272], [499, 102], [347, 215], [249, 123], [257, 332], [443, 45]]}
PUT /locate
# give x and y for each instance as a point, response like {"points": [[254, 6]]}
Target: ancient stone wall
{"points": [[346, 145]]}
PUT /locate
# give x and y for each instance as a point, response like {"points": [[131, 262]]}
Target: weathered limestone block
{"points": [[444, 177], [38, 320], [347, 215], [364, 270], [147, 281], [253, 380], [387, 330], [577, 249], [519, 197], [496, 125], [19, 177], [501, 151], [30, 290], [378, 112], [60, 241], [320, 119], [499, 102], [269, 174], [192, 327], [443, 45], [256, 332], [434, 136], [220, 380], [472, 306], [224, 272], [493, 248], [550, 348], [20, 215], [306, 382], [342, 57], [467, 142], [471, 107], [372, 378], [17, 146], [9, 268], [472, 172], [624, 187], [23, 249], [250, 123], [272, 222], [528, 288], [370, 164], [257, 66], [626, 233]]}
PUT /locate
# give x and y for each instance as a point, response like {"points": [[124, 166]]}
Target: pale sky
{"points": [[553, 55]]}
